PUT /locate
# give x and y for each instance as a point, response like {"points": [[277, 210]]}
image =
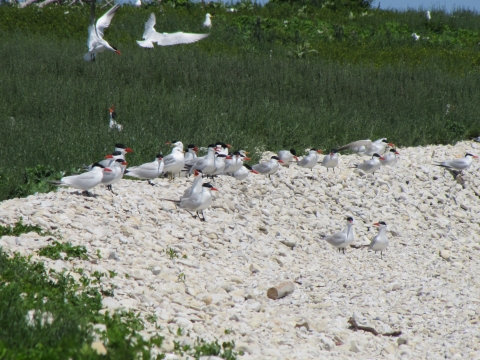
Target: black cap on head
{"points": [[236, 153], [393, 150], [382, 223], [98, 165], [349, 219], [384, 140], [211, 146], [159, 156], [208, 185], [221, 155], [275, 157], [221, 144], [191, 146], [116, 153], [313, 149], [174, 141], [334, 151], [376, 155], [120, 146], [293, 152], [468, 154], [119, 160], [248, 166]]}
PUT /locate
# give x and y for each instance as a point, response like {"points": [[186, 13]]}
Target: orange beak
{"points": [[124, 163], [128, 150], [253, 171], [168, 143], [376, 224], [228, 158], [397, 153], [229, 146], [214, 189], [107, 170], [118, 52], [280, 161], [382, 158], [319, 151], [246, 159], [391, 145], [109, 157]]}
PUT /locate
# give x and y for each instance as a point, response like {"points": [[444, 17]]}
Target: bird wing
{"points": [[149, 27], [169, 159], [304, 161], [262, 168], [92, 37], [145, 44], [84, 177], [356, 144], [177, 38], [336, 239], [104, 21]]}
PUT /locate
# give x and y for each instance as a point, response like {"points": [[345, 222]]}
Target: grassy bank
{"points": [[269, 77]]}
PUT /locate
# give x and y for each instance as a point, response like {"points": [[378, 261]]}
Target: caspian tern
{"points": [[242, 174], [222, 148], [85, 181], [367, 147], [458, 164], [196, 186], [370, 166], [235, 163], [113, 124], [390, 158], [174, 162], [331, 160], [95, 43], [191, 152], [379, 242], [208, 22], [310, 160], [147, 171], [150, 36], [268, 167], [114, 176], [343, 239], [205, 164], [119, 153], [197, 201], [220, 164], [287, 156]]}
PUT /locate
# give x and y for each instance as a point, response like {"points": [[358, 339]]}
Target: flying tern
{"points": [[367, 147], [150, 36], [95, 43]]}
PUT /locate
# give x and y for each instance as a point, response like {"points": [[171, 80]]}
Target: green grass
{"points": [[19, 228], [54, 251], [254, 83], [47, 315]]}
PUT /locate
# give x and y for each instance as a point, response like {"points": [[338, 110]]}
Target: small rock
{"points": [[401, 341], [445, 254], [156, 270], [99, 348], [254, 268]]}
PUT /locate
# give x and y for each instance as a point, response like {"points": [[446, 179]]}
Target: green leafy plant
{"points": [[54, 251], [20, 228]]}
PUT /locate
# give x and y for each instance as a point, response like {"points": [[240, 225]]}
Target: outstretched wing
{"points": [[356, 144], [149, 26], [105, 20], [177, 38]]}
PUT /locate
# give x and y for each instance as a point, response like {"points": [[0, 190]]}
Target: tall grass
{"points": [[246, 84]]}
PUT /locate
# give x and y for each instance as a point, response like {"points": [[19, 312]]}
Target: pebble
{"points": [[267, 231]]}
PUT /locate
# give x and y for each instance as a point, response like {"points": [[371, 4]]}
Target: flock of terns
{"points": [[97, 44], [219, 161]]}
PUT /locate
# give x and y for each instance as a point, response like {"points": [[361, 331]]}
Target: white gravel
{"points": [[261, 232]]}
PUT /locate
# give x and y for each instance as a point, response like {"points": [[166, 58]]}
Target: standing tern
{"points": [[220, 164], [85, 181], [268, 167], [204, 164], [458, 164], [235, 163], [114, 176], [113, 124], [367, 147], [242, 174], [191, 152], [95, 43], [196, 186], [343, 239], [331, 160], [147, 171], [150, 36], [288, 156], [223, 148], [370, 166], [174, 162], [390, 158], [197, 202], [310, 160], [379, 242]]}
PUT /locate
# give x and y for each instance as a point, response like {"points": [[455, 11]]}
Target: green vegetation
{"points": [[54, 251], [47, 315], [288, 74], [20, 228]]}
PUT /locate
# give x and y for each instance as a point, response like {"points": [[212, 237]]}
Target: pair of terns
{"points": [[97, 44]]}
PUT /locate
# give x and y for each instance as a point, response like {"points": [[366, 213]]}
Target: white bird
{"points": [[235, 163], [95, 43], [147, 171], [113, 124], [331, 160], [223, 148], [390, 157], [205, 164], [344, 238], [175, 143], [429, 17], [242, 174], [415, 36], [197, 202], [174, 162], [196, 186], [150, 36], [138, 3], [268, 167], [367, 147], [458, 164], [191, 152], [370, 166], [379, 242], [114, 176], [287, 156], [208, 22], [220, 164], [310, 160], [85, 181]]}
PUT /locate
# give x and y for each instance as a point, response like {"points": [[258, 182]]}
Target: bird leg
{"points": [[201, 219], [194, 216], [87, 193], [151, 183], [109, 187]]}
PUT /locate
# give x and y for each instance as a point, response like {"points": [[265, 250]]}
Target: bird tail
{"points": [[145, 44], [56, 182], [87, 57], [174, 201]]}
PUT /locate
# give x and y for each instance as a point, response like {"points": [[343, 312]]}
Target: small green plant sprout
{"points": [[228, 331], [171, 253], [112, 273], [184, 256], [20, 228], [181, 277], [151, 318], [99, 254], [64, 250], [179, 331]]}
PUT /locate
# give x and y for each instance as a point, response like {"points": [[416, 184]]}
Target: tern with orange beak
{"points": [[370, 166], [330, 161], [197, 201], [243, 173], [147, 171], [114, 176], [268, 167], [85, 181], [380, 242], [458, 164], [343, 239], [288, 156], [390, 158], [96, 43], [310, 160]]}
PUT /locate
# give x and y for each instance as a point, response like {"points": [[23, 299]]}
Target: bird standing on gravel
{"points": [[379, 242], [310, 160], [287, 156], [242, 174], [174, 163], [268, 167], [343, 239], [331, 160], [147, 171], [150, 36], [197, 201], [370, 166], [95, 43], [458, 164], [390, 157], [85, 181], [114, 176], [191, 152]]}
